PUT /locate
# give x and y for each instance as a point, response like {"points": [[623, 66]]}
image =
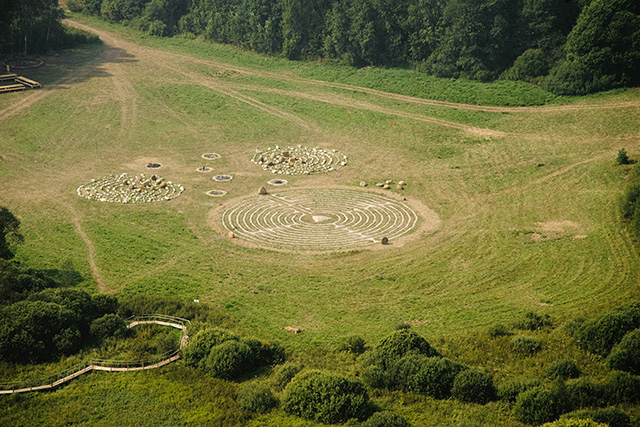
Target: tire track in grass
{"points": [[95, 272]]}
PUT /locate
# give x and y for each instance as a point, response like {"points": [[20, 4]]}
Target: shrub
{"points": [[510, 391], [256, 398], [264, 352], [536, 406], [474, 387], [105, 304], [613, 417], [625, 356], [601, 334], [397, 345], [228, 360], [74, 5], [563, 369], [109, 325], [623, 158], [353, 344], [532, 321], [201, 344], [532, 63], [629, 201], [386, 419], [435, 377], [325, 397], [283, 375], [574, 423], [622, 387], [499, 331], [376, 377], [584, 393], [525, 345]]}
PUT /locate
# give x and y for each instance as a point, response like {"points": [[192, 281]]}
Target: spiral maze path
{"points": [[319, 219], [299, 160]]}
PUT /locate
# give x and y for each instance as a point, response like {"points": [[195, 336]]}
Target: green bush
{"points": [[622, 387], [109, 325], [256, 398], [264, 353], [283, 375], [509, 391], [202, 342], [574, 423], [473, 386], [564, 369], [499, 331], [397, 345], [601, 334], [531, 64], [525, 345], [386, 419], [536, 406], [625, 356], [105, 304], [376, 377], [629, 201], [532, 321], [229, 360], [584, 393], [612, 417], [433, 376], [353, 344], [325, 397], [623, 158]]}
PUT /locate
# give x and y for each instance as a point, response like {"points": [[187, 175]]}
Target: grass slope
{"points": [[527, 199]]}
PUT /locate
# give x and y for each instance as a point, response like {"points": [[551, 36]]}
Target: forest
{"points": [[570, 47]]}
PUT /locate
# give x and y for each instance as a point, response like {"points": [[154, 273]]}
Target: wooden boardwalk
{"points": [[109, 365]]}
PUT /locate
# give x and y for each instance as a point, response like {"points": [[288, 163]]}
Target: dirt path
{"points": [[95, 272]]}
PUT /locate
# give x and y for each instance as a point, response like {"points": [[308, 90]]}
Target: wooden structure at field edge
{"points": [[14, 82], [109, 365]]}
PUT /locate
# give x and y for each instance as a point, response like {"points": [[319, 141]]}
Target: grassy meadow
{"points": [[527, 199]]}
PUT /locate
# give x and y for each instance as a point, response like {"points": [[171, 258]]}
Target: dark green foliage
{"points": [[537, 406], [325, 397], [397, 345], [509, 391], [525, 345], [386, 419], [256, 398], [499, 330], [563, 369], [9, 233], [228, 360], [611, 416], [625, 356], [264, 352], [622, 387], [601, 334], [532, 321], [156, 304], [474, 387], [376, 377], [33, 331], [105, 304], [584, 393], [353, 344], [530, 64], [109, 325], [433, 376], [623, 158], [18, 282], [629, 203], [202, 342], [603, 49], [283, 375]]}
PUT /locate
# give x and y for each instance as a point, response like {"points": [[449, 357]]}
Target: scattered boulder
{"points": [[262, 190], [285, 153], [402, 183], [385, 240], [363, 184], [231, 235], [385, 187], [379, 184], [400, 187], [292, 330], [389, 181]]}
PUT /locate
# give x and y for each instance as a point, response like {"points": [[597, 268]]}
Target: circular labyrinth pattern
{"points": [[278, 182], [125, 188], [211, 156], [23, 63], [299, 160], [222, 178], [216, 193], [319, 219]]}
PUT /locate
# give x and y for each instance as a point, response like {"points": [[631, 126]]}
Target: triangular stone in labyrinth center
{"points": [[320, 218]]}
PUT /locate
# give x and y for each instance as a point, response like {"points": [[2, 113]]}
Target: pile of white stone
{"points": [[299, 160], [125, 188]]}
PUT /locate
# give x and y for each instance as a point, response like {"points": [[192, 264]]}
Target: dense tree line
{"points": [[580, 46]]}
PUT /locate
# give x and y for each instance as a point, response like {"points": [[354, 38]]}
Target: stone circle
{"points": [[299, 160], [211, 156], [278, 182], [222, 178], [319, 219], [204, 169], [216, 193], [125, 188]]}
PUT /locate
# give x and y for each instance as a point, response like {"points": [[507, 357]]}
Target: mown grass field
{"points": [[527, 198]]}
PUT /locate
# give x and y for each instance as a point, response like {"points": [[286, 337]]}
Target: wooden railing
{"points": [[105, 364]]}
